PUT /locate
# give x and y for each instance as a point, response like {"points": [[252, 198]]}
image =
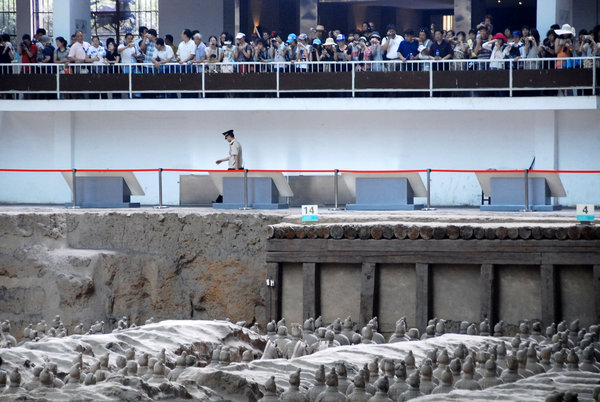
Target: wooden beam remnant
{"points": [[424, 295], [550, 296], [367, 293], [489, 307], [273, 291], [310, 290], [596, 274]]}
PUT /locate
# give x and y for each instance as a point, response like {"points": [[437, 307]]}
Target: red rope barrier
{"points": [[201, 170], [564, 171], [291, 171], [384, 171], [476, 171], [116, 170], [37, 170]]}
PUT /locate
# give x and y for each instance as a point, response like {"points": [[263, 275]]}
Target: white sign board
{"points": [[585, 212], [310, 213]]}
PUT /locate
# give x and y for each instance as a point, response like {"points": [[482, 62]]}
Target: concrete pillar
{"points": [[208, 16], [70, 16], [308, 10], [551, 12], [23, 20], [63, 151], [463, 20]]}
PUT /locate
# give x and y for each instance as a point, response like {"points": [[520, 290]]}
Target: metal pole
{"points": [[428, 207], [74, 178], [527, 190], [594, 77], [510, 78], [203, 82], [160, 195], [430, 79], [160, 187], [245, 189], [277, 79], [335, 190], [130, 88], [353, 78]]}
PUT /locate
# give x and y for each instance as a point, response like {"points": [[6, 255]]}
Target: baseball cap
{"points": [[240, 35], [340, 37], [316, 42], [302, 36], [291, 38]]}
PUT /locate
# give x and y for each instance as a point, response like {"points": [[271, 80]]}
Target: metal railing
{"points": [[427, 77], [335, 172]]}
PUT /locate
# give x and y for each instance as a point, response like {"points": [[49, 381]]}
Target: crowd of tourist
{"points": [[192, 53]]}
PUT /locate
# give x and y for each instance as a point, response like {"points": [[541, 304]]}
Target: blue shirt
{"points": [[407, 49]]}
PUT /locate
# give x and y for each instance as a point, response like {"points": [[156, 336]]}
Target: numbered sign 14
{"points": [[585, 212], [310, 213]]}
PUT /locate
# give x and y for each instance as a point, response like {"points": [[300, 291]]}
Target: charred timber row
{"points": [[426, 232]]}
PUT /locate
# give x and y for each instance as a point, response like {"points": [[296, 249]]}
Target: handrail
{"points": [[335, 172], [354, 70]]}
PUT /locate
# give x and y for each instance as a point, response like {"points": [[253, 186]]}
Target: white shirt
{"points": [[185, 50], [165, 54], [99, 52], [127, 55], [392, 50]]}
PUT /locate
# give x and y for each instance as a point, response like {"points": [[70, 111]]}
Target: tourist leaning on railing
{"points": [[498, 50], [128, 52], [6, 53], [162, 55]]}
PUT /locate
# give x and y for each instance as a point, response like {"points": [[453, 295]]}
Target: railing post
{"points": [[160, 190], [527, 190], [203, 82], [130, 86], [58, 81], [430, 79], [74, 179], [510, 78], [245, 189], [353, 78], [428, 189], [335, 190], [277, 80], [594, 77]]}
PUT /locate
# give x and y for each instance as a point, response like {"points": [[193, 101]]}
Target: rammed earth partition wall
{"points": [[457, 273]]}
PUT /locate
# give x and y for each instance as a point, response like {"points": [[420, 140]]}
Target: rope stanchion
{"points": [[245, 190], [74, 179], [428, 207], [335, 191], [160, 188], [526, 179]]}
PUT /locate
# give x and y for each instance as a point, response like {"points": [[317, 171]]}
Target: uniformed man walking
{"points": [[235, 152]]}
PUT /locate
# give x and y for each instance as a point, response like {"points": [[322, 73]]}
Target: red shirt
{"points": [[33, 51]]}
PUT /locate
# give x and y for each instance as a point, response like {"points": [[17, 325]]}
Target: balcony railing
{"points": [[419, 78]]}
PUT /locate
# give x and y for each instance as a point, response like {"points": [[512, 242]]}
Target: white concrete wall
{"points": [[586, 14], [176, 15], [70, 16], [298, 140]]}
